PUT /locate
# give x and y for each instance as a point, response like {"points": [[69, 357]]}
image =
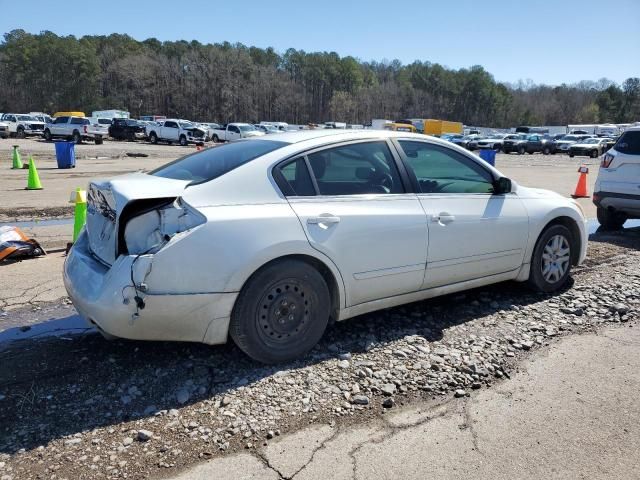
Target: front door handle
{"points": [[443, 217], [324, 219]]}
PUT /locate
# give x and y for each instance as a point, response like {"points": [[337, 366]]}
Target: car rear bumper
{"points": [[104, 297], [623, 202]]}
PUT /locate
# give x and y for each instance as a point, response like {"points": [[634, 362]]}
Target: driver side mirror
{"points": [[502, 185]]}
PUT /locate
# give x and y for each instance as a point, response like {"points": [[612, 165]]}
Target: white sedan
{"points": [[268, 240]]}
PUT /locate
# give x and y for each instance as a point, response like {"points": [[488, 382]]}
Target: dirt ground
{"points": [[554, 172]]}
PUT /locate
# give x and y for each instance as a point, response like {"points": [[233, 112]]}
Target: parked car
{"points": [[267, 129], [493, 141], [41, 117], [175, 130], [73, 128], [4, 129], [528, 144], [563, 145], [21, 126], [452, 137], [209, 128], [101, 125], [591, 147], [126, 129], [268, 239], [617, 188], [235, 131]]}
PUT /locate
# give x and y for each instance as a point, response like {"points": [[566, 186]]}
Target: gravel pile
{"points": [[86, 408]]}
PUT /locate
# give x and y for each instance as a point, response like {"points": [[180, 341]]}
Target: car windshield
{"points": [[25, 118], [570, 138], [591, 140], [104, 121], [212, 163], [246, 128], [512, 137]]}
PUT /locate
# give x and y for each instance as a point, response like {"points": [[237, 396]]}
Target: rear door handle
{"points": [[443, 217], [325, 219]]}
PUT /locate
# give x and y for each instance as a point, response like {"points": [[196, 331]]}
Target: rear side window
{"points": [[356, 169], [629, 143], [295, 176], [212, 163], [61, 120]]}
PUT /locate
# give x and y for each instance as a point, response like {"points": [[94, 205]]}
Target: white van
{"points": [[617, 189]]}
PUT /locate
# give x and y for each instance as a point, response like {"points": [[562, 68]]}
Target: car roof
{"points": [[300, 136]]}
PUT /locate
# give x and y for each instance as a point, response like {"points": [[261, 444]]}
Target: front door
{"points": [[354, 209], [472, 232]]}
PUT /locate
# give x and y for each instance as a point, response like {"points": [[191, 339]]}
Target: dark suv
{"points": [[126, 129], [528, 143]]}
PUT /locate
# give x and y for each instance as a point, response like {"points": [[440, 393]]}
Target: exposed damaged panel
{"points": [[151, 230]]}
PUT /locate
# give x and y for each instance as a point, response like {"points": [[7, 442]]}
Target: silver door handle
{"points": [[443, 217], [328, 219]]}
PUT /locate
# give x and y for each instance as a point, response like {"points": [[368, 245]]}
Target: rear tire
{"points": [[521, 150], [98, 140], [551, 259], [47, 136], [281, 312], [593, 154], [76, 138], [571, 155], [546, 151], [609, 220]]}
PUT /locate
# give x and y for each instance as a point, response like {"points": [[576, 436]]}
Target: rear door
{"points": [[355, 210], [472, 232]]}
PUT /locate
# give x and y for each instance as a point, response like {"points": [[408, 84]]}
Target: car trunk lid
{"points": [[106, 200]]}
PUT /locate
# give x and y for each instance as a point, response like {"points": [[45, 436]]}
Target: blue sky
{"points": [[546, 41]]}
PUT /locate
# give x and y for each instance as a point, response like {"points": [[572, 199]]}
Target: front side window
{"points": [[356, 169], [296, 175], [441, 170], [171, 124]]}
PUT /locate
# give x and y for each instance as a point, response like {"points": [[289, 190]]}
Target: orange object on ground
{"points": [[581, 187]]}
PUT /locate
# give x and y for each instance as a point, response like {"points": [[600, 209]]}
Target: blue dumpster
{"points": [[488, 156], [65, 154]]}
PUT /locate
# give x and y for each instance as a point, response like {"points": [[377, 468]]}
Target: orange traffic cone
{"points": [[581, 187], [198, 148]]}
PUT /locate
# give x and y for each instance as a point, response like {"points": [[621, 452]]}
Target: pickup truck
{"points": [[21, 126], [73, 128], [126, 129], [235, 131], [175, 130]]}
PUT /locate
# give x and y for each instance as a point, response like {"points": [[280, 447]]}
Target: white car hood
{"points": [[528, 192]]}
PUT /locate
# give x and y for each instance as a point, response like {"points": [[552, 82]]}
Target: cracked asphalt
{"points": [[555, 418]]}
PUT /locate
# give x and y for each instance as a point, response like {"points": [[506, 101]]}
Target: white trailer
{"points": [[379, 123], [110, 114]]}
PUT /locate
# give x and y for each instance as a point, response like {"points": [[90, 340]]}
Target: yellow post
{"points": [[79, 197]]}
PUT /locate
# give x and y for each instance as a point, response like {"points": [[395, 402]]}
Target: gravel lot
{"points": [[78, 406]]}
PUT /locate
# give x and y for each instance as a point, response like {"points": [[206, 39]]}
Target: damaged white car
{"points": [[268, 240]]}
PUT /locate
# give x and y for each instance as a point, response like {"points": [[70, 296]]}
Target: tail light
{"points": [[606, 160]]}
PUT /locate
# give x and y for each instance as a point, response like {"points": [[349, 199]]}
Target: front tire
{"points": [[20, 132], [594, 154], [521, 150], [183, 141], [281, 312], [47, 136], [546, 151], [609, 220], [215, 139], [551, 259], [153, 138], [98, 140]]}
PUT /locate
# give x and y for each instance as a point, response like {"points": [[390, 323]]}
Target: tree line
{"points": [[226, 82]]}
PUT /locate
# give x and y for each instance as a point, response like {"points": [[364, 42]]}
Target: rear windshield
{"points": [[214, 162], [629, 143]]}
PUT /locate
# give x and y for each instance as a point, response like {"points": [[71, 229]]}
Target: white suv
{"points": [[617, 189]]}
